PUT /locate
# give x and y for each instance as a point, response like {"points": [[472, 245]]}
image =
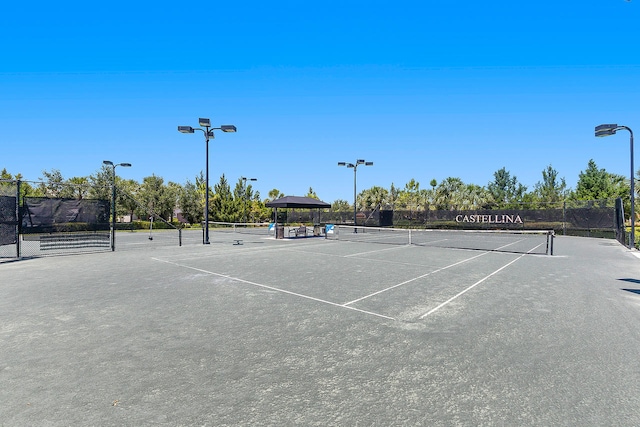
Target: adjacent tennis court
{"points": [[250, 330]]}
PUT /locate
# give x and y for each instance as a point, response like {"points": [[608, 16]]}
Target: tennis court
{"points": [[315, 331]]}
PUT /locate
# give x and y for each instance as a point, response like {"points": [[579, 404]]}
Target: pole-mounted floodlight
{"points": [[185, 129], [208, 134], [608, 130], [355, 170], [113, 199]]}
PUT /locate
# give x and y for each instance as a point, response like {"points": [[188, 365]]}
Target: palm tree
{"points": [[79, 187], [448, 193], [474, 197], [372, 198]]}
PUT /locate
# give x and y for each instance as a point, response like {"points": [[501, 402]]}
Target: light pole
{"points": [[355, 170], [244, 193], [611, 129], [113, 198], [208, 134]]}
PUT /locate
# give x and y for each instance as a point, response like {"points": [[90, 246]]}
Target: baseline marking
{"points": [[273, 288]]}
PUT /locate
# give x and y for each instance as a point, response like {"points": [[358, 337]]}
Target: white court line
{"points": [[273, 289], [347, 305], [475, 284]]}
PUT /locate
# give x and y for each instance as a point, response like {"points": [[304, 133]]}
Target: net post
{"points": [[550, 236], [546, 251], [179, 236]]}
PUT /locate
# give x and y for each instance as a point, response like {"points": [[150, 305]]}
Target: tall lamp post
{"points": [[608, 130], [208, 134], [355, 170], [113, 198], [244, 193]]}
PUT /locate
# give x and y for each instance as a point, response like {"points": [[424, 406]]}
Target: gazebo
{"points": [[295, 202]]}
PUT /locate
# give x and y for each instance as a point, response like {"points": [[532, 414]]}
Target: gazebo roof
{"points": [[298, 202]]}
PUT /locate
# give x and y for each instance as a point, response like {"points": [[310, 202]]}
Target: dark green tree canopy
{"points": [[222, 207], [598, 184], [505, 190], [551, 189]]}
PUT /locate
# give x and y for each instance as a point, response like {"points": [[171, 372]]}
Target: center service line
{"points": [[273, 289]]}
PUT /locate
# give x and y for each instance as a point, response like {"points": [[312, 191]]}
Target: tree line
{"points": [[153, 196], [503, 192]]}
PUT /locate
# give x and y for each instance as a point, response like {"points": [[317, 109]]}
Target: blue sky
{"points": [[424, 89]]}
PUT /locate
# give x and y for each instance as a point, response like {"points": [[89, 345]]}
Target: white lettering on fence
{"points": [[490, 219]]}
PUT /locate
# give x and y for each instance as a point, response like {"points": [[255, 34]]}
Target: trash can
{"points": [[280, 232], [317, 229]]}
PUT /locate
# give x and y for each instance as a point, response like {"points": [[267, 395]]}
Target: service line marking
{"points": [[459, 294], [433, 272], [414, 279]]}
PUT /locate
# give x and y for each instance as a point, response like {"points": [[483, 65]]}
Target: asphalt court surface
{"points": [[390, 282], [315, 332]]}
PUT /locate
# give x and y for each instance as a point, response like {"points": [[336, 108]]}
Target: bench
{"points": [[302, 230], [238, 241], [74, 241]]}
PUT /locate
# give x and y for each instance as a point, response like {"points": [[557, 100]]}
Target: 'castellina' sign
{"points": [[490, 219]]}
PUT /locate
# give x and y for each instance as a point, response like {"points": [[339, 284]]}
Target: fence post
{"points": [[564, 217]]}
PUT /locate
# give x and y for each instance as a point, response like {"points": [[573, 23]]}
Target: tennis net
{"points": [[259, 228], [517, 241]]}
